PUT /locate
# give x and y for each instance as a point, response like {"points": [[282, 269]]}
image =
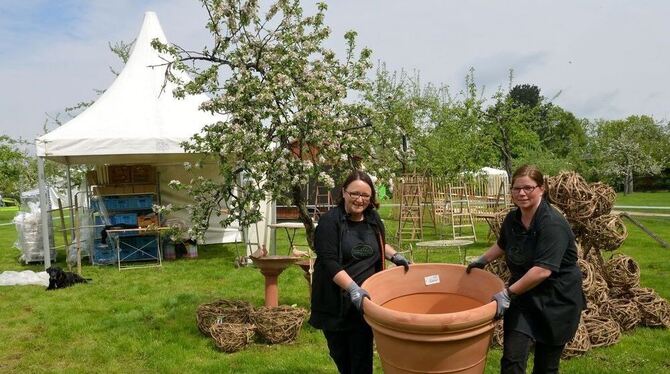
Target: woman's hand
{"points": [[479, 263], [399, 260]]}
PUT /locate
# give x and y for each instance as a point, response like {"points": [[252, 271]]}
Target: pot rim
{"points": [[431, 323]]}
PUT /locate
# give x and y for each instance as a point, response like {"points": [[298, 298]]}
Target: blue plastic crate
{"points": [[143, 202], [111, 202], [103, 255], [125, 218], [124, 203]]}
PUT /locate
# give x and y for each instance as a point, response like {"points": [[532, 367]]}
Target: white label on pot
{"points": [[431, 279]]}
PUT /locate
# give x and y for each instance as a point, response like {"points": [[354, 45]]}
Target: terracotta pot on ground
{"points": [[434, 318]]}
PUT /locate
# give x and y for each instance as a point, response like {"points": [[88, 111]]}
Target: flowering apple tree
{"points": [[295, 112]]}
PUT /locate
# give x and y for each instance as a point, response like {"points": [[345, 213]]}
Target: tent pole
{"points": [[44, 211], [69, 199]]}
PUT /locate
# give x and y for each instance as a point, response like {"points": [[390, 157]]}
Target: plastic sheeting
{"points": [[29, 230], [23, 278]]}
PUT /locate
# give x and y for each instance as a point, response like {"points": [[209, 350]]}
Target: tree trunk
{"points": [[628, 184], [303, 215]]}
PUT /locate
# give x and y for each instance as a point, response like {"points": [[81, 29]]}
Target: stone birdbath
{"points": [[271, 267]]}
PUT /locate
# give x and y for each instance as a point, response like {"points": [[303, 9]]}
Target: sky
{"points": [[597, 59]]}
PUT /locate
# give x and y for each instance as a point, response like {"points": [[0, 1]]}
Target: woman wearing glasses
{"points": [[350, 247], [544, 299]]}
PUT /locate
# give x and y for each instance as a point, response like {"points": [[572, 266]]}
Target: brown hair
{"points": [[530, 171], [358, 175]]}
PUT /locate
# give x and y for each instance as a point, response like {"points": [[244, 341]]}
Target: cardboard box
{"points": [[287, 212], [147, 220], [119, 174], [144, 188], [143, 174]]}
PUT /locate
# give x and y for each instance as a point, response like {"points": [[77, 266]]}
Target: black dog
{"points": [[61, 279]]}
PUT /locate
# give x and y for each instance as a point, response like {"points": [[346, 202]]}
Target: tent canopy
{"points": [[137, 119]]}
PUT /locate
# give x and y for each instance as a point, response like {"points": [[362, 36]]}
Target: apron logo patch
{"points": [[361, 251]]}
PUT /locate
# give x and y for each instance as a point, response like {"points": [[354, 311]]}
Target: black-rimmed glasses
{"points": [[526, 189], [357, 195]]}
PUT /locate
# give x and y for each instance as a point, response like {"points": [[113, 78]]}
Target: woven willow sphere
{"points": [[230, 311], [232, 337], [499, 268], [623, 272], [279, 324], [606, 232], [603, 198], [624, 311], [579, 344], [603, 331], [498, 334], [570, 192], [655, 310]]}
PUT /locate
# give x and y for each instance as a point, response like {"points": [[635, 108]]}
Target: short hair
{"points": [[530, 171], [359, 175]]}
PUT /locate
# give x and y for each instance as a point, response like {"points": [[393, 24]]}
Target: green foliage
{"points": [[292, 109], [636, 146], [454, 143], [398, 112], [452, 135], [18, 170]]}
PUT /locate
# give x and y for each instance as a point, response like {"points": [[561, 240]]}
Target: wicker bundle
{"points": [[570, 192], [619, 292], [220, 311], [499, 268], [606, 232], [278, 324], [641, 291], [623, 272], [498, 334], [598, 291], [579, 344], [592, 310], [496, 222], [232, 337], [603, 331], [624, 311], [604, 197], [588, 271], [654, 310]]}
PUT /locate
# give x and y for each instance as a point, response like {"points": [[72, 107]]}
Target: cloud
{"points": [[609, 59]]}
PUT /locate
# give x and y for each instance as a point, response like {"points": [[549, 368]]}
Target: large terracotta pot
{"points": [[434, 318]]}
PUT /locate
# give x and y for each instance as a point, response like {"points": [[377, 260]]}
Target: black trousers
{"points": [[516, 347], [351, 349]]}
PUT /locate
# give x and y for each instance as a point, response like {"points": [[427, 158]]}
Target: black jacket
{"points": [[330, 304]]}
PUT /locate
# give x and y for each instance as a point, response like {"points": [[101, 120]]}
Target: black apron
{"points": [[550, 312]]}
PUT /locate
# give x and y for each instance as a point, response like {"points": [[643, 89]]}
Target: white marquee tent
{"points": [[136, 121]]}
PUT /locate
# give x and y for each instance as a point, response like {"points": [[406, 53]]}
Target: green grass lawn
{"points": [[642, 199], [143, 320]]}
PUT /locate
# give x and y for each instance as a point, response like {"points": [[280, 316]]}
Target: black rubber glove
{"points": [[357, 294], [479, 263], [503, 299], [399, 260]]}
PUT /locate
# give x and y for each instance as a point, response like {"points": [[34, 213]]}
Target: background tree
{"points": [[294, 110], [397, 111], [18, 170], [452, 143], [508, 124], [636, 146]]}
